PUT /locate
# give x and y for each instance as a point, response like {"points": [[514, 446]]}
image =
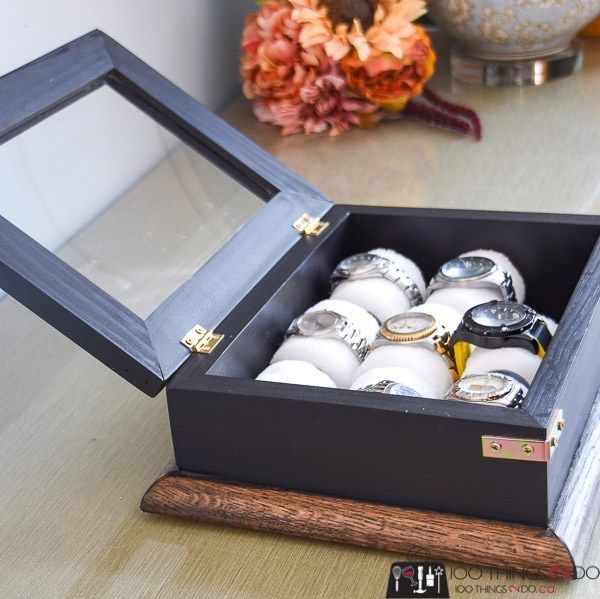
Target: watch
{"points": [[498, 324], [325, 324], [474, 272], [420, 330], [497, 388], [370, 266], [390, 388]]}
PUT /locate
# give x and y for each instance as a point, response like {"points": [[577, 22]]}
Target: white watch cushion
{"points": [[463, 298], [550, 323], [514, 359], [406, 264], [447, 315], [331, 356], [422, 361], [366, 323], [404, 376], [507, 265], [380, 297], [295, 372]]}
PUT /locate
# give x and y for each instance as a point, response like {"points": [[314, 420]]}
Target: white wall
{"points": [[192, 42]]}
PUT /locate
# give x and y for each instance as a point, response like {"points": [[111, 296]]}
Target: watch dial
{"points": [[317, 323], [483, 386], [399, 389], [410, 323], [467, 267], [499, 314], [359, 263]]}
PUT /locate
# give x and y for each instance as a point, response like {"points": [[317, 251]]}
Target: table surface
{"points": [[79, 446]]}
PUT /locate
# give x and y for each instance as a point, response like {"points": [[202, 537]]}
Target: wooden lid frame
{"points": [[144, 352]]}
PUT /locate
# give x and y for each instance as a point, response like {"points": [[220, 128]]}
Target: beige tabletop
{"points": [[79, 446]]}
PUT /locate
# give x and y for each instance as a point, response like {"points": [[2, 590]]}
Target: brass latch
{"points": [[201, 341], [528, 450], [310, 225]]}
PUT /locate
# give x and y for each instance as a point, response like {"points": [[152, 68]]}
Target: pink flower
{"points": [[287, 73], [392, 30], [323, 103], [315, 27], [273, 63], [337, 47]]}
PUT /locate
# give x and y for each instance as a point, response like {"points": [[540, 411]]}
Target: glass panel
{"points": [[120, 198]]}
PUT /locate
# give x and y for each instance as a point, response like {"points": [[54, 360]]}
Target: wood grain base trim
{"points": [[415, 532]]}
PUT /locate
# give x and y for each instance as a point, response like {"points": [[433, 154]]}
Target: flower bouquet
{"points": [[327, 65]]}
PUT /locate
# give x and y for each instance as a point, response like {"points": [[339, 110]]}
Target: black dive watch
{"points": [[499, 324]]}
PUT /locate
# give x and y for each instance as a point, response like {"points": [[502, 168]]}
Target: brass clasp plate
{"points": [[528, 450], [310, 225], [201, 341]]}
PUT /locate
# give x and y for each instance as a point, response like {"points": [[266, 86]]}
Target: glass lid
{"points": [[130, 213], [120, 199]]}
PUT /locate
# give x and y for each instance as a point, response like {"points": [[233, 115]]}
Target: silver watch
{"points": [[390, 388], [475, 272], [496, 388], [370, 266], [325, 324]]}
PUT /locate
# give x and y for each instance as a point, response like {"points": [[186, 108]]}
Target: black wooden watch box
{"points": [[344, 459]]}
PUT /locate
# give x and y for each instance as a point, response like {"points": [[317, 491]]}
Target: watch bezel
{"points": [[390, 335], [493, 268], [503, 330]]}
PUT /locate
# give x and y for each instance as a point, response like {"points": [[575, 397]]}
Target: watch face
{"points": [[391, 388], [504, 315], [467, 268], [359, 264], [482, 387], [316, 324], [410, 323], [399, 389]]}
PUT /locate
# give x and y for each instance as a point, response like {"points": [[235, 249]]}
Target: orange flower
{"points": [[389, 81]]}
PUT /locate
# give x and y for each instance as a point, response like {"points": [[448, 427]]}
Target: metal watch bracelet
{"points": [[505, 284], [346, 333], [353, 338], [399, 277]]}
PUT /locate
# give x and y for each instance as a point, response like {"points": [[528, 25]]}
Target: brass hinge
{"points": [[528, 450], [310, 225], [201, 341]]}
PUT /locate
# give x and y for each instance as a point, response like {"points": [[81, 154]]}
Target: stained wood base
{"points": [[553, 552]]}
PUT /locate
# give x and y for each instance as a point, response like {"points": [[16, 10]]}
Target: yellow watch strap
{"points": [[541, 351], [462, 351]]}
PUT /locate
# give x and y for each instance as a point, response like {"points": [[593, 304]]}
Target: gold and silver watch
{"points": [[390, 388], [420, 330], [370, 266], [498, 388], [325, 324], [474, 272]]}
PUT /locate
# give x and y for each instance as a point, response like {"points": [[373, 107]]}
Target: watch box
{"points": [[513, 488]]}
